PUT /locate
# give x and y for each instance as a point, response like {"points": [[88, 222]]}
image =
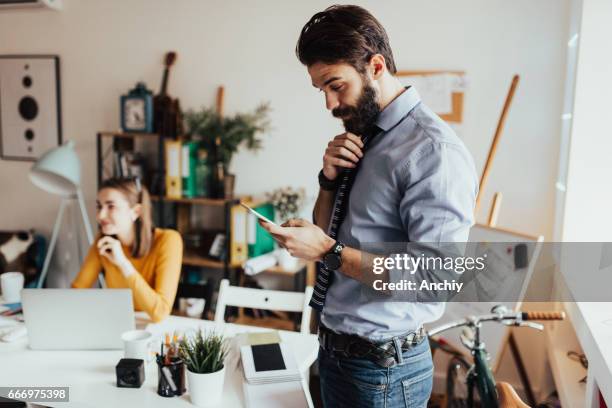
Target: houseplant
{"points": [[223, 136], [204, 356], [287, 204]]}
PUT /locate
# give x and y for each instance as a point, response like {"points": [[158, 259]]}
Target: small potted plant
{"points": [[204, 356], [287, 204], [223, 136]]}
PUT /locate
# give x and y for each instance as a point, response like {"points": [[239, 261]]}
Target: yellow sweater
{"points": [[154, 286]]}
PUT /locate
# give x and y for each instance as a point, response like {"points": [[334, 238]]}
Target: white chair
{"points": [[264, 299]]}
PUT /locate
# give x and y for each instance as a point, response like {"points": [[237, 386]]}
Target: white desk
{"points": [[91, 374]]}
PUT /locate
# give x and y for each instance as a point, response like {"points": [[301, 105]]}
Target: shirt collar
{"points": [[398, 109]]}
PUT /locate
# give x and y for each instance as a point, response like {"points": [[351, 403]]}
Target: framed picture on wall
{"points": [[30, 106]]}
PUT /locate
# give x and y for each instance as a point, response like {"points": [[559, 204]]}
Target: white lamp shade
{"points": [[58, 171]]}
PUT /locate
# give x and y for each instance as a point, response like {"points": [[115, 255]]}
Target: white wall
{"points": [[586, 215], [106, 46]]}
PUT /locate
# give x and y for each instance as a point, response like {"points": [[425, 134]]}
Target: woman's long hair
{"points": [[136, 193]]}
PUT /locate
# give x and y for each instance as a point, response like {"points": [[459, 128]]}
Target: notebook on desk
{"points": [[77, 319], [269, 363]]}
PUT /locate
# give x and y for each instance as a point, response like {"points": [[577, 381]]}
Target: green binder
{"points": [[189, 160], [259, 241]]}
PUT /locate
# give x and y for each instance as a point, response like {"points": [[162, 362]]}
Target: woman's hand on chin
{"points": [[111, 249]]}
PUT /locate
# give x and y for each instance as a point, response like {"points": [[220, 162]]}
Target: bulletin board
{"points": [[437, 80]]}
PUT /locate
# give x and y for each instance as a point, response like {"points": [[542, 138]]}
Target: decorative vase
{"points": [[206, 390], [286, 261]]}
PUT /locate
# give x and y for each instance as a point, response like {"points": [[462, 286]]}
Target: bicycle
{"points": [[463, 379]]}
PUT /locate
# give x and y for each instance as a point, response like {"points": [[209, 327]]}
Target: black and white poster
{"points": [[30, 115]]}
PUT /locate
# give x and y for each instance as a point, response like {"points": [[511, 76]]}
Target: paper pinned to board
{"points": [[436, 90]]}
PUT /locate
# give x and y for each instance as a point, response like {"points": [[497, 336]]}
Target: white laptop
{"points": [[77, 319]]}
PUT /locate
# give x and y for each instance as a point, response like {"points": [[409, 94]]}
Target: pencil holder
{"points": [[171, 378]]}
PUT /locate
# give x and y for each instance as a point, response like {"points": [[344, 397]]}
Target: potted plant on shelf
{"points": [[204, 356], [223, 136], [287, 204]]}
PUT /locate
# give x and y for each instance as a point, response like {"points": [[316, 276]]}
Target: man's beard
{"points": [[360, 118]]}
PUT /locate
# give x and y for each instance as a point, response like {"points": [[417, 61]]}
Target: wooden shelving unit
{"points": [[277, 269], [180, 207], [199, 200], [303, 273], [192, 258], [127, 134]]}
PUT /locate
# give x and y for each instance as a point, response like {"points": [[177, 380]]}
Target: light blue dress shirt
{"points": [[416, 183]]}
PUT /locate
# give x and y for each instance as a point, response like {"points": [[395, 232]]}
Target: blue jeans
{"points": [[362, 383]]}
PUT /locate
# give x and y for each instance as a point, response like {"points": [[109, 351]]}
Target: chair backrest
{"points": [[264, 299]]}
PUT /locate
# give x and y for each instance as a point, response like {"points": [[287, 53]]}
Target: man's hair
{"points": [[348, 34]]}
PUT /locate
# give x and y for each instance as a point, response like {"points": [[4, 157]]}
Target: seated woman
{"points": [[131, 252]]}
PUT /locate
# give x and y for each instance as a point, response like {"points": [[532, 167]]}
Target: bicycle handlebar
{"points": [[517, 317], [543, 315]]}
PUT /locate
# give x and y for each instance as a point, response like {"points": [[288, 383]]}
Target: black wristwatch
{"points": [[327, 184], [333, 259]]}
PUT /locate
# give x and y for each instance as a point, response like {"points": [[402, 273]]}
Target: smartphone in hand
{"points": [[258, 215]]}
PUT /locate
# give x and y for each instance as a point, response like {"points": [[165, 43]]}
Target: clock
{"points": [[137, 110]]}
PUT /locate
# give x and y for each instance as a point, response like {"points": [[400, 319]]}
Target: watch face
{"points": [[134, 113], [332, 261]]}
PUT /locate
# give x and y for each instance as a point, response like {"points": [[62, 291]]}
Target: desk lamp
{"points": [[58, 172]]}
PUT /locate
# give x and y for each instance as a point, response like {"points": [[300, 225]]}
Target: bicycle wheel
{"points": [[456, 383]]}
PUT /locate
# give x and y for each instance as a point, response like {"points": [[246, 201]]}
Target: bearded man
{"points": [[398, 174]]}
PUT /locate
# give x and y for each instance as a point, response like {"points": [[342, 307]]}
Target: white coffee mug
{"points": [[11, 284], [137, 344]]}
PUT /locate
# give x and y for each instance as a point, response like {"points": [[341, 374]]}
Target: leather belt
{"points": [[352, 346]]}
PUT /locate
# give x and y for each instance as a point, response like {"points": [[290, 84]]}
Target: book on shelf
{"points": [[259, 241], [173, 169], [238, 233], [189, 161]]}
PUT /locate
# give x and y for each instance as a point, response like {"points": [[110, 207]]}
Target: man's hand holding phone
{"points": [[301, 238], [258, 215]]}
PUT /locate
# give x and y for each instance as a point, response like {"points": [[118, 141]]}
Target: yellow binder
{"points": [[239, 249], [173, 168]]}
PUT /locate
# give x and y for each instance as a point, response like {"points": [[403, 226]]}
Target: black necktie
{"points": [[347, 177]]}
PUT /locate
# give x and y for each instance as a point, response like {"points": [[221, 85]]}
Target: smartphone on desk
{"points": [[258, 215]]}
